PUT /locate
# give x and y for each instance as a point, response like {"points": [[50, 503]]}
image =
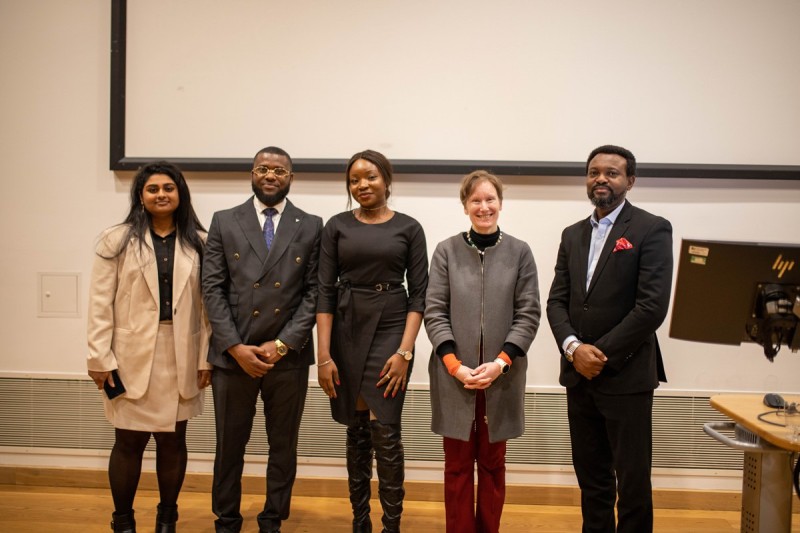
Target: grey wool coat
{"points": [[499, 298]]}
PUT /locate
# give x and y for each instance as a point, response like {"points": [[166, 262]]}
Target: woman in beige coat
{"points": [[148, 337]]}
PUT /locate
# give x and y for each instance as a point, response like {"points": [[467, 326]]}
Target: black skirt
{"points": [[367, 330]]}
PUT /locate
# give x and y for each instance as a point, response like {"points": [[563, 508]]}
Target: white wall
{"points": [[58, 195]]}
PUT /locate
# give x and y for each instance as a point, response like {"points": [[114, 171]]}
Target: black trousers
{"points": [[612, 441], [283, 393]]}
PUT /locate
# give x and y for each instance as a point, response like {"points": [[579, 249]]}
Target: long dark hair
{"points": [[138, 219]]}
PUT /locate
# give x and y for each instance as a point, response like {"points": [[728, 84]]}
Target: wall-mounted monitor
{"points": [[730, 292]]}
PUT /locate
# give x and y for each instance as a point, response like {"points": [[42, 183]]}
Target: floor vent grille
{"points": [[56, 413]]}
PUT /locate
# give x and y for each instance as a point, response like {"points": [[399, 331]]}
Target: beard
{"points": [[604, 202], [271, 200]]}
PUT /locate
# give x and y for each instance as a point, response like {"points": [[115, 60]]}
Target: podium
{"points": [[767, 490]]}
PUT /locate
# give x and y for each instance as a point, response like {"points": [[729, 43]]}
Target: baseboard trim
{"points": [[713, 500]]}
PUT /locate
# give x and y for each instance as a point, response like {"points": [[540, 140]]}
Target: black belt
{"points": [[345, 299], [378, 287]]}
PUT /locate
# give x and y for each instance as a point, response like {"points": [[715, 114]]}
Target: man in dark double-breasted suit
{"points": [[611, 291], [260, 290]]}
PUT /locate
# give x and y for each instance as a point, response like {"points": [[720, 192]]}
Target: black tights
{"points": [[125, 465]]}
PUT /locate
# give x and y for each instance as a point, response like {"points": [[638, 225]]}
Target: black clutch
{"points": [[119, 388]]}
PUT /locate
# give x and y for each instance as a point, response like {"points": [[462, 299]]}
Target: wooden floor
{"points": [[26, 509]]}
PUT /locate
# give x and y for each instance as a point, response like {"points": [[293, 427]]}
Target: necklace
{"points": [[482, 252], [371, 215]]}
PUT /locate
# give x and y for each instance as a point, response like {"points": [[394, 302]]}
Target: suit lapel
{"points": [[148, 266], [583, 252], [288, 227], [617, 230], [182, 267], [248, 221]]}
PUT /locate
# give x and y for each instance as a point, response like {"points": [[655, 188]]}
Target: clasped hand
{"points": [[589, 360], [479, 378], [254, 360]]}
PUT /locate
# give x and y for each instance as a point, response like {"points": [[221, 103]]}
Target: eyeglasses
{"points": [[264, 171]]}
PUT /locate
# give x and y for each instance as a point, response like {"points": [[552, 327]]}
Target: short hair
{"points": [[471, 180], [630, 160], [274, 150], [377, 159]]}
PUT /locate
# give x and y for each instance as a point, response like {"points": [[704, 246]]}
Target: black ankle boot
{"points": [[166, 518], [391, 472], [123, 522], [359, 470]]}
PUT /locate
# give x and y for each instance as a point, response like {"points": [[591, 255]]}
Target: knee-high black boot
{"points": [[359, 470], [166, 518], [391, 472], [123, 522]]}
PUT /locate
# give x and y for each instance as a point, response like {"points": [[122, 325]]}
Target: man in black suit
{"points": [[611, 291], [260, 290]]}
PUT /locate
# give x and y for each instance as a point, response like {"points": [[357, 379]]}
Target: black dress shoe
{"points": [[272, 528], [269, 525]]}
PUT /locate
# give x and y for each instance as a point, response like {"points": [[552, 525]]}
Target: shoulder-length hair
{"points": [[138, 220]]}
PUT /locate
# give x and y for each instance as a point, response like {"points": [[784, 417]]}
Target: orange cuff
{"points": [[504, 356], [452, 363]]}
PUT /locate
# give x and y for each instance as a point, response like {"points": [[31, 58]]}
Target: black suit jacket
{"points": [[626, 302], [253, 296]]}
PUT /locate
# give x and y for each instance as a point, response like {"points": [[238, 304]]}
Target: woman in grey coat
{"points": [[481, 314]]}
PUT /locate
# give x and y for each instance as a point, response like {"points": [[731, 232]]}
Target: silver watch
{"points": [[504, 367], [570, 351]]}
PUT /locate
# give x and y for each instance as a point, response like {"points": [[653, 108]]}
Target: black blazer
{"points": [[251, 296], [626, 302]]}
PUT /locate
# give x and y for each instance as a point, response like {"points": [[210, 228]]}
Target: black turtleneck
{"points": [[483, 241]]}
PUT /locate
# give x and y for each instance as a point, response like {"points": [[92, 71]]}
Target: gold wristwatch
{"points": [[281, 348], [407, 354]]}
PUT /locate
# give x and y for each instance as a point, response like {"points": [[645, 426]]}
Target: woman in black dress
{"points": [[366, 328]]}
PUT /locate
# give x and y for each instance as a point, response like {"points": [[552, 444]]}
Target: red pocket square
{"points": [[622, 244]]}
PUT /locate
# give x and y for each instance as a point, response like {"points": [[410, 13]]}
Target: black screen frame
{"points": [[119, 161]]}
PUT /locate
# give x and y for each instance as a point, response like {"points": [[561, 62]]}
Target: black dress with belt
{"points": [[362, 268]]}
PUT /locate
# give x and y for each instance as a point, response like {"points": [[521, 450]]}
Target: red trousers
{"points": [[460, 457]]}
